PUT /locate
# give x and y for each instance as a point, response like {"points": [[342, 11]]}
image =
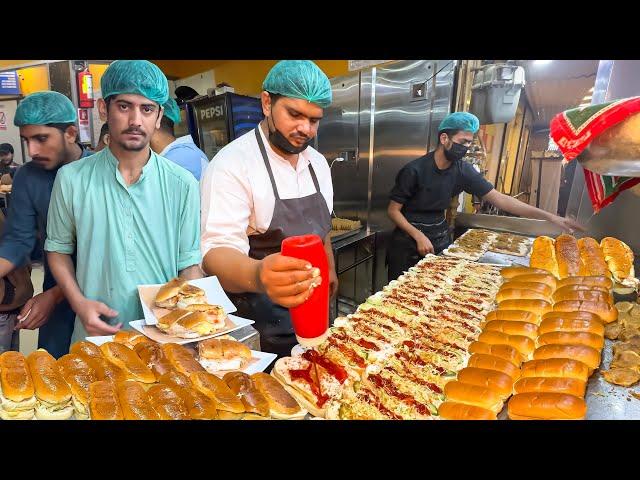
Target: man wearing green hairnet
{"points": [[424, 189], [182, 151], [131, 214], [47, 122], [263, 187]]}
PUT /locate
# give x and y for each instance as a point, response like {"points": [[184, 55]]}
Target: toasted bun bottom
{"points": [[82, 410], [213, 366], [43, 413], [10, 405], [16, 414]]}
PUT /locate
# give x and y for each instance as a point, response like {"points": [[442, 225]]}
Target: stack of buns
{"points": [[128, 362], [79, 375], [567, 257], [103, 401], [482, 387], [191, 316], [545, 338], [17, 393], [507, 340], [242, 385], [619, 258], [103, 369], [150, 381], [52, 392], [240, 396], [153, 356], [570, 337], [169, 402], [543, 255]]}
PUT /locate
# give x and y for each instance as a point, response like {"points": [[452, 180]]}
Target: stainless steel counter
{"points": [[249, 336], [610, 402], [499, 223]]}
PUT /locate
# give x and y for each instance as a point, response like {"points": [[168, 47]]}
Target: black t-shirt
{"points": [[425, 191]]}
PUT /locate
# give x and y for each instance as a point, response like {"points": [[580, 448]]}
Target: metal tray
{"points": [[503, 259], [346, 234]]}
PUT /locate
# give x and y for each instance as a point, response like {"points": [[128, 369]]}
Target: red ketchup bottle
{"points": [[310, 319]]}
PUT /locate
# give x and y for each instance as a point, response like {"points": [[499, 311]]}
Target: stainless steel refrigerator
{"points": [[380, 119]]}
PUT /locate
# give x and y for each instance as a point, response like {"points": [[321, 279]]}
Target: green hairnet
{"points": [[43, 108], [135, 77], [172, 111], [460, 121], [299, 79]]}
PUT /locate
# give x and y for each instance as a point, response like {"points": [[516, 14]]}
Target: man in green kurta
{"points": [[132, 216]]}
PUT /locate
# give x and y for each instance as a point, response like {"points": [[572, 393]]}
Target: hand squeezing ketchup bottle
{"points": [[310, 319]]}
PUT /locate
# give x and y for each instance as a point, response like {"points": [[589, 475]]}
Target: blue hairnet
{"points": [[135, 77], [299, 79], [460, 121], [43, 108], [172, 111]]}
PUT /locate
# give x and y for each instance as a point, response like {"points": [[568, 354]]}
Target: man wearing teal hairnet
{"points": [[266, 186], [47, 122], [131, 214], [182, 151], [424, 189]]}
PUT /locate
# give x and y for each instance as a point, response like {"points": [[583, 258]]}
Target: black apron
{"points": [[291, 217], [402, 251]]}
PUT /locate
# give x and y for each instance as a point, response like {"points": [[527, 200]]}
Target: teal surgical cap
{"points": [[135, 77], [43, 108], [172, 111], [460, 121], [299, 79]]}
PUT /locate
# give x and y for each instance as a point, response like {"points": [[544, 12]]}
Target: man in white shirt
{"points": [[262, 188]]}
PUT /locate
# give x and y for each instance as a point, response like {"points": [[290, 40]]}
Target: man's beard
{"points": [[133, 148], [133, 145]]}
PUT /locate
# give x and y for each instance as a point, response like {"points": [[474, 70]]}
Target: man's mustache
{"points": [[133, 130]]}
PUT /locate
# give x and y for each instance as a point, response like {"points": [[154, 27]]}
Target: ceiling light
{"points": [[587, 97], [591, 90], [541, 62]]}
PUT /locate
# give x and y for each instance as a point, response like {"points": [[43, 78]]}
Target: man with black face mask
{"points": [[424, 188], [266, 186]]}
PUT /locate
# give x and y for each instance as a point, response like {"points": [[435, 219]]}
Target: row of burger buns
{"points": [[537, 291], [148, 381], [199, 396], [190, 316], [567, 257], [569, 345], [481, 388], [548, 330]]}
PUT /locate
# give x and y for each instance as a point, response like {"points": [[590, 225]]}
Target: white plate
{"points": [[261, 360], [212, 289], [99, 340], [160, 337]]}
